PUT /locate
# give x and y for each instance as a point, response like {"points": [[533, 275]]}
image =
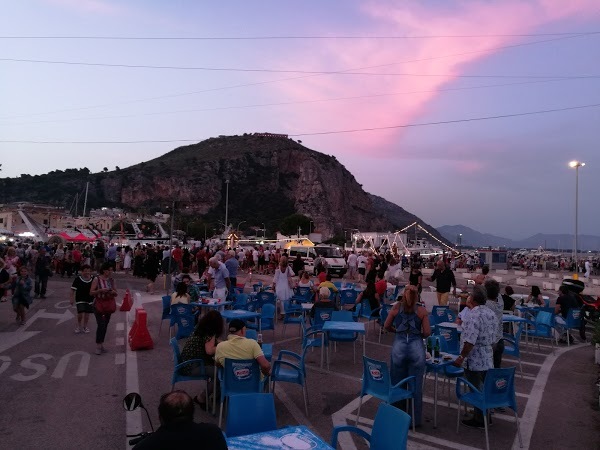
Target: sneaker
{"points": [[77, 330], [472, 423], [86, 330], [98, 351]]}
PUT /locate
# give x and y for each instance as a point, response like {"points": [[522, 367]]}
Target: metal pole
{"points": [[226, 203], [576, 217], [168, 277]]}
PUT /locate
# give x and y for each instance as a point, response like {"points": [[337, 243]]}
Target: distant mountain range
{"points": [[473, 238]]}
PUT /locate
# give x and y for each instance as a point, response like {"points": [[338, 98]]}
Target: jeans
{"points": [[476, 378], [41, 283], [408, 359], [102, 321]]}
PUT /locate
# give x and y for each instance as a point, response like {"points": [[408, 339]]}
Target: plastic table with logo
{"points": [[298, 438], [349, 327], [437, 365], [230, 314]]}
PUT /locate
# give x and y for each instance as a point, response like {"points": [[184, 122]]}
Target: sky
{"points": [[461, 112]]}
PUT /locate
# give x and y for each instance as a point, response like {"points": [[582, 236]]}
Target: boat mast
{"points": [[87, 185]]}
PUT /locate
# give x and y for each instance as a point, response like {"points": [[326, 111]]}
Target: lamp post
{"points": [[226, 202], [310, 224], [576, 165], [264, 230], [459, 241], [238, 227]]}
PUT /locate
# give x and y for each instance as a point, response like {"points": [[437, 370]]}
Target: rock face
{"points": [[270, 177]]}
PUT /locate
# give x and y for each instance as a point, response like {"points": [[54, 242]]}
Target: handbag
{"points": [[105, 303]]}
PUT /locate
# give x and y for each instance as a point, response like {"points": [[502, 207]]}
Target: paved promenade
{"points": [[57, 394]]}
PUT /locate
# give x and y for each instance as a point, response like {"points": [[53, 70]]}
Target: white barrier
{"points": [[461, 270], [595, 282], [427, 272], [538, 274], [521, 281], [553, 276], [556, 286], [548, 286], [497, 278], [502, 271], [520, 273]]}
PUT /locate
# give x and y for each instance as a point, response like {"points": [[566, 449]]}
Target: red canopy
{"points": [[77, 238]]}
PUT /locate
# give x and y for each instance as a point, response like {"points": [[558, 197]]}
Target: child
{"points": [[22, 294], [80, 295]]}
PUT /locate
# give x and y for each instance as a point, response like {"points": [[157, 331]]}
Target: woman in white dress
{"points": [[282, 281], [127, 260]]}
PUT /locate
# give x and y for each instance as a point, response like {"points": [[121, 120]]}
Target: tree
{"points": [[117, 168], [105, 169], [289, 225]]}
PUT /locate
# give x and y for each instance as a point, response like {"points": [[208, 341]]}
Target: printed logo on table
{"points": [[446, 335], [501, 383], [375, 372], [241, 371], [324, 316], [576, 314]]}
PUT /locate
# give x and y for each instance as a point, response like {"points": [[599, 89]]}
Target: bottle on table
{"points": [[436, 349]]}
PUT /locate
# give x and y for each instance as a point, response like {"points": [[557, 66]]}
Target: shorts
{"points": [[84, 308], [361, 270]]}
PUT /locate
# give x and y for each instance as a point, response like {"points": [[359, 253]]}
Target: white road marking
{"points": [[340, 418], [41, 313], [298, 415], [120, 358], [9, 339], [119, 340], [120, 326]]}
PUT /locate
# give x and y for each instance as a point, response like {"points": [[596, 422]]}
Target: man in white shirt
{"points": [[220, 277], [352, 265], [361, 262]]}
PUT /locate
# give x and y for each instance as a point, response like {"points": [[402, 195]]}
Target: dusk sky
{"points": [[398, 69]]}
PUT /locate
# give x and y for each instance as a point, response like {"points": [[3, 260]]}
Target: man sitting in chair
{"points": [[178, 429], [237, 346], [324, 301]]}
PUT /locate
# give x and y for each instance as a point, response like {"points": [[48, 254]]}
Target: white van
{"points": [[308, 256], [335, 262]]}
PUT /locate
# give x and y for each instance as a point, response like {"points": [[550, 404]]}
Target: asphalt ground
{"points": [[56, 393]]}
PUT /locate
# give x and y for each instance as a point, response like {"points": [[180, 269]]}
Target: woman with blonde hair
{"points": [[410, 323]]}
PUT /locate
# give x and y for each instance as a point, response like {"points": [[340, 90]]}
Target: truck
{"points": [[335, 264]]}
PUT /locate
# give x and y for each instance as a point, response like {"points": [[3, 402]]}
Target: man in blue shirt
{"points": [[232, 265], [220, 278]]}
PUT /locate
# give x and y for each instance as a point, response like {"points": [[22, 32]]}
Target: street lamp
{"points": [[238, 227], [264, 230], [311, 223], [226, 202], [576, 165]]}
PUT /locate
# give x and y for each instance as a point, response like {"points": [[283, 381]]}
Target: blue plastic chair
{"points": [[356, 312], [256, 287], [263, 418], [512, 345], [498, 392], [342, 336], [177, 376], [292, 314], [573, 321], [239, 376], [451, 337], [267, 320], [313, 337], [543, 327], [289, 368], [377, 383], [385, 310], [265, 298], [302, 295], [368, 313], [440, 314], [166, 311], [240, 301], [183, 318], [348, 297], [322, 315], [390, 430]]}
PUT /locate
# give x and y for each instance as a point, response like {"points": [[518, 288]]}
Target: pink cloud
{"points": [[411, 56]]}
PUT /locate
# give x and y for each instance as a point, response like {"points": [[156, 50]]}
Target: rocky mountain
{"points": [[563, 242], [267, 177]]}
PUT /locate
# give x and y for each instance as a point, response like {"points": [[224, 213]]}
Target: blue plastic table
{"points": [[349, 327], [437, 365], [230, 314], [298, 437]]}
